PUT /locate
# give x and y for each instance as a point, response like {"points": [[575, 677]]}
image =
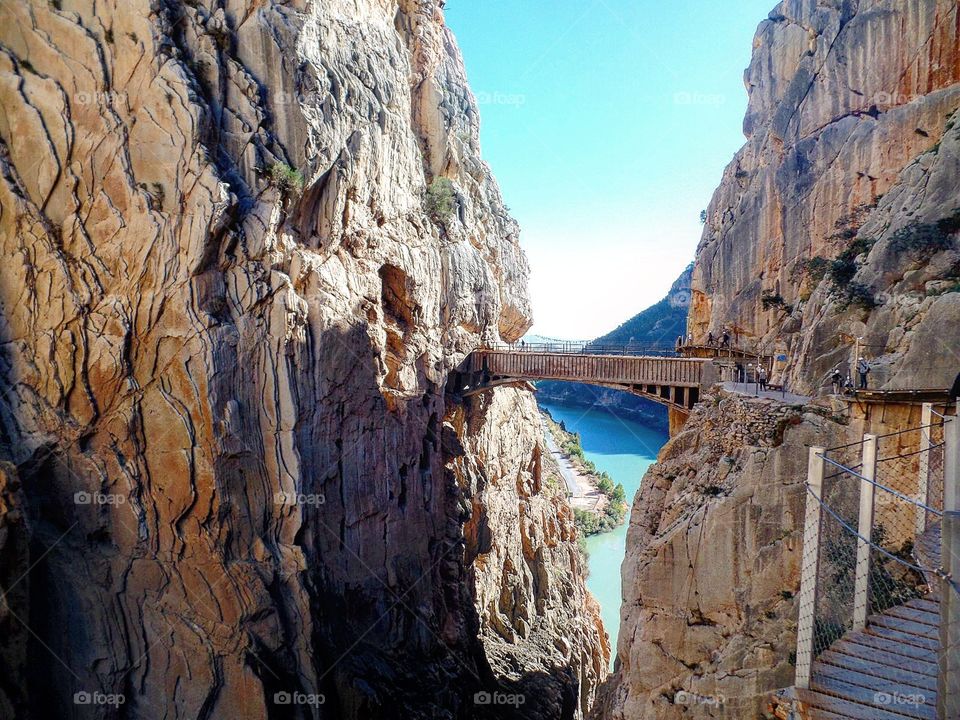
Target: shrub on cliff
{"points": [[441, 200], [288, 179], [927, 239]]}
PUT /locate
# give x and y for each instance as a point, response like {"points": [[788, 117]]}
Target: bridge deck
{"points": [[671, 381], [600, 369]]}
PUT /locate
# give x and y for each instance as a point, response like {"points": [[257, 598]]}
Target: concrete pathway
{"points": [[751, 389]]}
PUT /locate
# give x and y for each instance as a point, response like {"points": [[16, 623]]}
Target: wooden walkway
{"points": [[887, 671], [671, 381]]}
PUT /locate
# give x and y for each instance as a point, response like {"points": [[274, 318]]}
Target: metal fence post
{"points": [[861, 592], [810, 567], [923, 481], [948, 678]]}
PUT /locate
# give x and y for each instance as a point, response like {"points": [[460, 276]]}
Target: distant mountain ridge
{"points": [[660, 324]]}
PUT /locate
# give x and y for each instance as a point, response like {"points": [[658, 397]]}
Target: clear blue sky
{"points": [[608, 124]]}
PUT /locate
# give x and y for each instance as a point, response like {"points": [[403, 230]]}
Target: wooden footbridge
{"points": [[657, 375]]}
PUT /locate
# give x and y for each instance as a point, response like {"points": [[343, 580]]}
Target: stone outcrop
{"points": [[524, 559], [713, 564], [227, 316], [851, 156]]}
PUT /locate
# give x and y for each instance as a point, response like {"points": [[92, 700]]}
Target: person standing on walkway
{"points": [[836, 379], [762, 377], [725, 338], [710, 339], [863, 369]]}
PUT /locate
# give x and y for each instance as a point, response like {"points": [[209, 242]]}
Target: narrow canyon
{"points": [[247, 245]]}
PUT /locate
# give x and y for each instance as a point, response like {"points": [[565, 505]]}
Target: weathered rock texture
{"points": [[853, 156], [521, 544], [245, 377], [852, 140], [713, 564]]}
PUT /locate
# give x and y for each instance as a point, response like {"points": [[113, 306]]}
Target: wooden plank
{"points": [[893, 646], [843, 708], [842, 684], [926, 604], [916, 666], [907, 626], [884, 672], [914, 615], [917, 641]]}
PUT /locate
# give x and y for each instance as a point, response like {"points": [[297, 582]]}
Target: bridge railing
{"points": [[872, 528], [583, 347]]}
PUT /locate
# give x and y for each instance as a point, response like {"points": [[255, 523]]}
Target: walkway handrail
{"points": [[853, 532], [581, 348], [853, 473]]}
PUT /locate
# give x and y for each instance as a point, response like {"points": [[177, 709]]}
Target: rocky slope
{"points": [[838, 218], [227, 317], [713, 564]]}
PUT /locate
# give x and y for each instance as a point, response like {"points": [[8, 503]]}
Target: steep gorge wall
{"points": [[712, 570], [852, 154], [223, 387], [838, 219]]}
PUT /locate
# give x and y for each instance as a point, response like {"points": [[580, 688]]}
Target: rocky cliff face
{"points": [[521, 544], [227, 315], [713, 560], [838, 219]]}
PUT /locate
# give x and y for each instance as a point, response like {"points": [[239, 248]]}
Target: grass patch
{"points": [[287, 178]]}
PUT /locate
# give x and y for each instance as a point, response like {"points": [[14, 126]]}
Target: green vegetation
{"points": [[774, 301], [615, 510], [441, 200], [288, 179], [927, 239]]}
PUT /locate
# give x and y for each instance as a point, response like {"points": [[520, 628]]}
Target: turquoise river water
{"points": [[624, 449]]}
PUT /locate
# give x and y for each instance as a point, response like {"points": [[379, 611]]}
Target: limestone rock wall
{"points": [[525, 565], [851, 139], [713, 564], [226, 323]]}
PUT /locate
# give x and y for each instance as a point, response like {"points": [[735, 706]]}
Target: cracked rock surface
{"points": [[715, 545], [227, 321], [852, 137]]}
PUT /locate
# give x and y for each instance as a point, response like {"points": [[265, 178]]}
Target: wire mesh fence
{"points": [[871, 541], [837, 561]]}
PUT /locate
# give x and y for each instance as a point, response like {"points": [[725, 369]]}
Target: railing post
{"points": [[810, 566], [861, 592], [923, 481], [948, 678]]}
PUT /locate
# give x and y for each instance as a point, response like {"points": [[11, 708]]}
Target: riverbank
{"points": [[599, 503], [624, 449]]}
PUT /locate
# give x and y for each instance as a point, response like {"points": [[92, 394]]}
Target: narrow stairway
{"points": [[887, 671]]}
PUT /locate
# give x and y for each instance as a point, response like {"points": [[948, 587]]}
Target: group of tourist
{"points": [[845, 384], [712, 341]]}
